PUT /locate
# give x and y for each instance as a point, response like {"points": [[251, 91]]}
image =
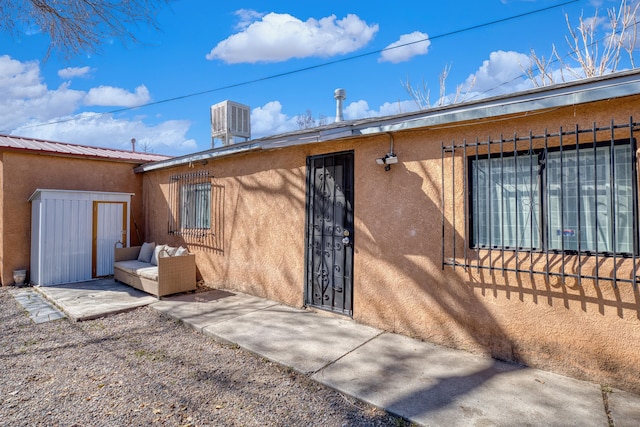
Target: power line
{"points": [[312, 67]]}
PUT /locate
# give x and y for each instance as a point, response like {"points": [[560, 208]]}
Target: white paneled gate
{"points": [[73, 234]]}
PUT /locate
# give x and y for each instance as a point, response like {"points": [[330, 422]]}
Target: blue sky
{"points": [[230, 50]]}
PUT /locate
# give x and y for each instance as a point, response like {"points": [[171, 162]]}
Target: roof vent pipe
{"points": [[340, 95], [133, 144]]}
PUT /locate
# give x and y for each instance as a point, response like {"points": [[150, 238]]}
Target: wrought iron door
{"points": [[329, 235]]}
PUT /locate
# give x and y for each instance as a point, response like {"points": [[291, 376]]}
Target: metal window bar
{"points": [[465, 178], [621, 245], [634, 194], [545, 222], [530, 199], [443, 199], [453, 200], [477, 229], [595, 187], [614, 200], [515, 158], [561, 203], [579, 206], [490, 213], [190, 204], [502, 236]]}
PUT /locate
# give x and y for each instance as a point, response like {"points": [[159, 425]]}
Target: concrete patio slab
{"points": [[300, 339], [434, 385], [204, 309], [624, 408], [96, 298]]}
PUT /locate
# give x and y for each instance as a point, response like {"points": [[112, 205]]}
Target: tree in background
{"points": [[78, 26], [592, 55], [306, 120], [421, 95]]}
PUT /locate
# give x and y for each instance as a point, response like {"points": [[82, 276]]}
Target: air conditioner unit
{"points": [[230, 120]]}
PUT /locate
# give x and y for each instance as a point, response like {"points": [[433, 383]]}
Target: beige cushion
{"points": [[150, 273], [181, 251], [146, 252], [156, 254], [138, 268]]}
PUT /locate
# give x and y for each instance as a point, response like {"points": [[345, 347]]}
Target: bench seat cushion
{"points": [[138, 268]]}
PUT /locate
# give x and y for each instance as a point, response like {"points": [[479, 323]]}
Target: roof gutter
{"points": [[526, 102], [535, 100], [218, 153]]}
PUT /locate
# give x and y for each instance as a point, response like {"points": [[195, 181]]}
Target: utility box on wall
{"points": [[73, 234]]}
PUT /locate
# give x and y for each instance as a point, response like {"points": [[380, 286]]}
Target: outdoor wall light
{"points": [[388, 160]]}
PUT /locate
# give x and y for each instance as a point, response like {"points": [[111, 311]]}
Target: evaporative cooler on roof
{"points": [[230, 120]]}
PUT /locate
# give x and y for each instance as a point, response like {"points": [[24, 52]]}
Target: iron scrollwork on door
{"points": [[329, 258]]}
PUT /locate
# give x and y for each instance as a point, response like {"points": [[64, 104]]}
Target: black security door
{"points": [[329, 237]]}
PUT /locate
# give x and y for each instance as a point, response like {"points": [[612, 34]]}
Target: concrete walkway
{"points": [[427, 384], [38, 308]]}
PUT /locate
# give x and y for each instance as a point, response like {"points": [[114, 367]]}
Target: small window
{"points": [[562, 200], [195, 206], [190, 204]]}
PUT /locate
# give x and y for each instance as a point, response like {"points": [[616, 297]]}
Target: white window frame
{"points": [[195, 206]]}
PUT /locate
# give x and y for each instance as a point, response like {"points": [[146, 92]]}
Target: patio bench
{"points": [[169, 270]]}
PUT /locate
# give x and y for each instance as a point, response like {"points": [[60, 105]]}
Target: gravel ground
{"points": [[140, 368]]}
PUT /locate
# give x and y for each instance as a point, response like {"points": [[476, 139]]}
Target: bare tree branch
{"points": [[78, 26], [594, 56], [419, 95]]}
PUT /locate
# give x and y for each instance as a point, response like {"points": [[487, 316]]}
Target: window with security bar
{"points": [[574, 199], [190, 204]]}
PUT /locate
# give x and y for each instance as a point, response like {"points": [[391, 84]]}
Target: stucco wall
{"points": [[24, 173], [586, 331]]}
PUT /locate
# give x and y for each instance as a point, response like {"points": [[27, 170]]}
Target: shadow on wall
{"points": [[406, 286], [406, 289], [538, 288]]}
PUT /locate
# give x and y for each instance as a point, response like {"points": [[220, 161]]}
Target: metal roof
{"points": [[616, 85], [35, 146]]}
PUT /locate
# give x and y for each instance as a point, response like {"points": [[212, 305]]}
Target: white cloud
{"points": [[279, 37], [502, 73], [30, 108], [117, 97], [247, 17], [71, 72], [408, 46], [104, 130], [270, 120], [26, 97], [360, 109]]}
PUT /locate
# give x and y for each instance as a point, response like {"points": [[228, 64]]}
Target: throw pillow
{"points": [[146, 252], [157, 253]]}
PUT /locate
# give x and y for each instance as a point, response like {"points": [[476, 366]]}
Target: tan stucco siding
{"points": [[586, 331], [22, 174]]}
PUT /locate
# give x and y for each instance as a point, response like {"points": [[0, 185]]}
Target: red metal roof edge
{"points": [[77, 150]]}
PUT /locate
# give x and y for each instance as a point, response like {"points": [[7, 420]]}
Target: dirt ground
{"points": [[140, 368]]}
